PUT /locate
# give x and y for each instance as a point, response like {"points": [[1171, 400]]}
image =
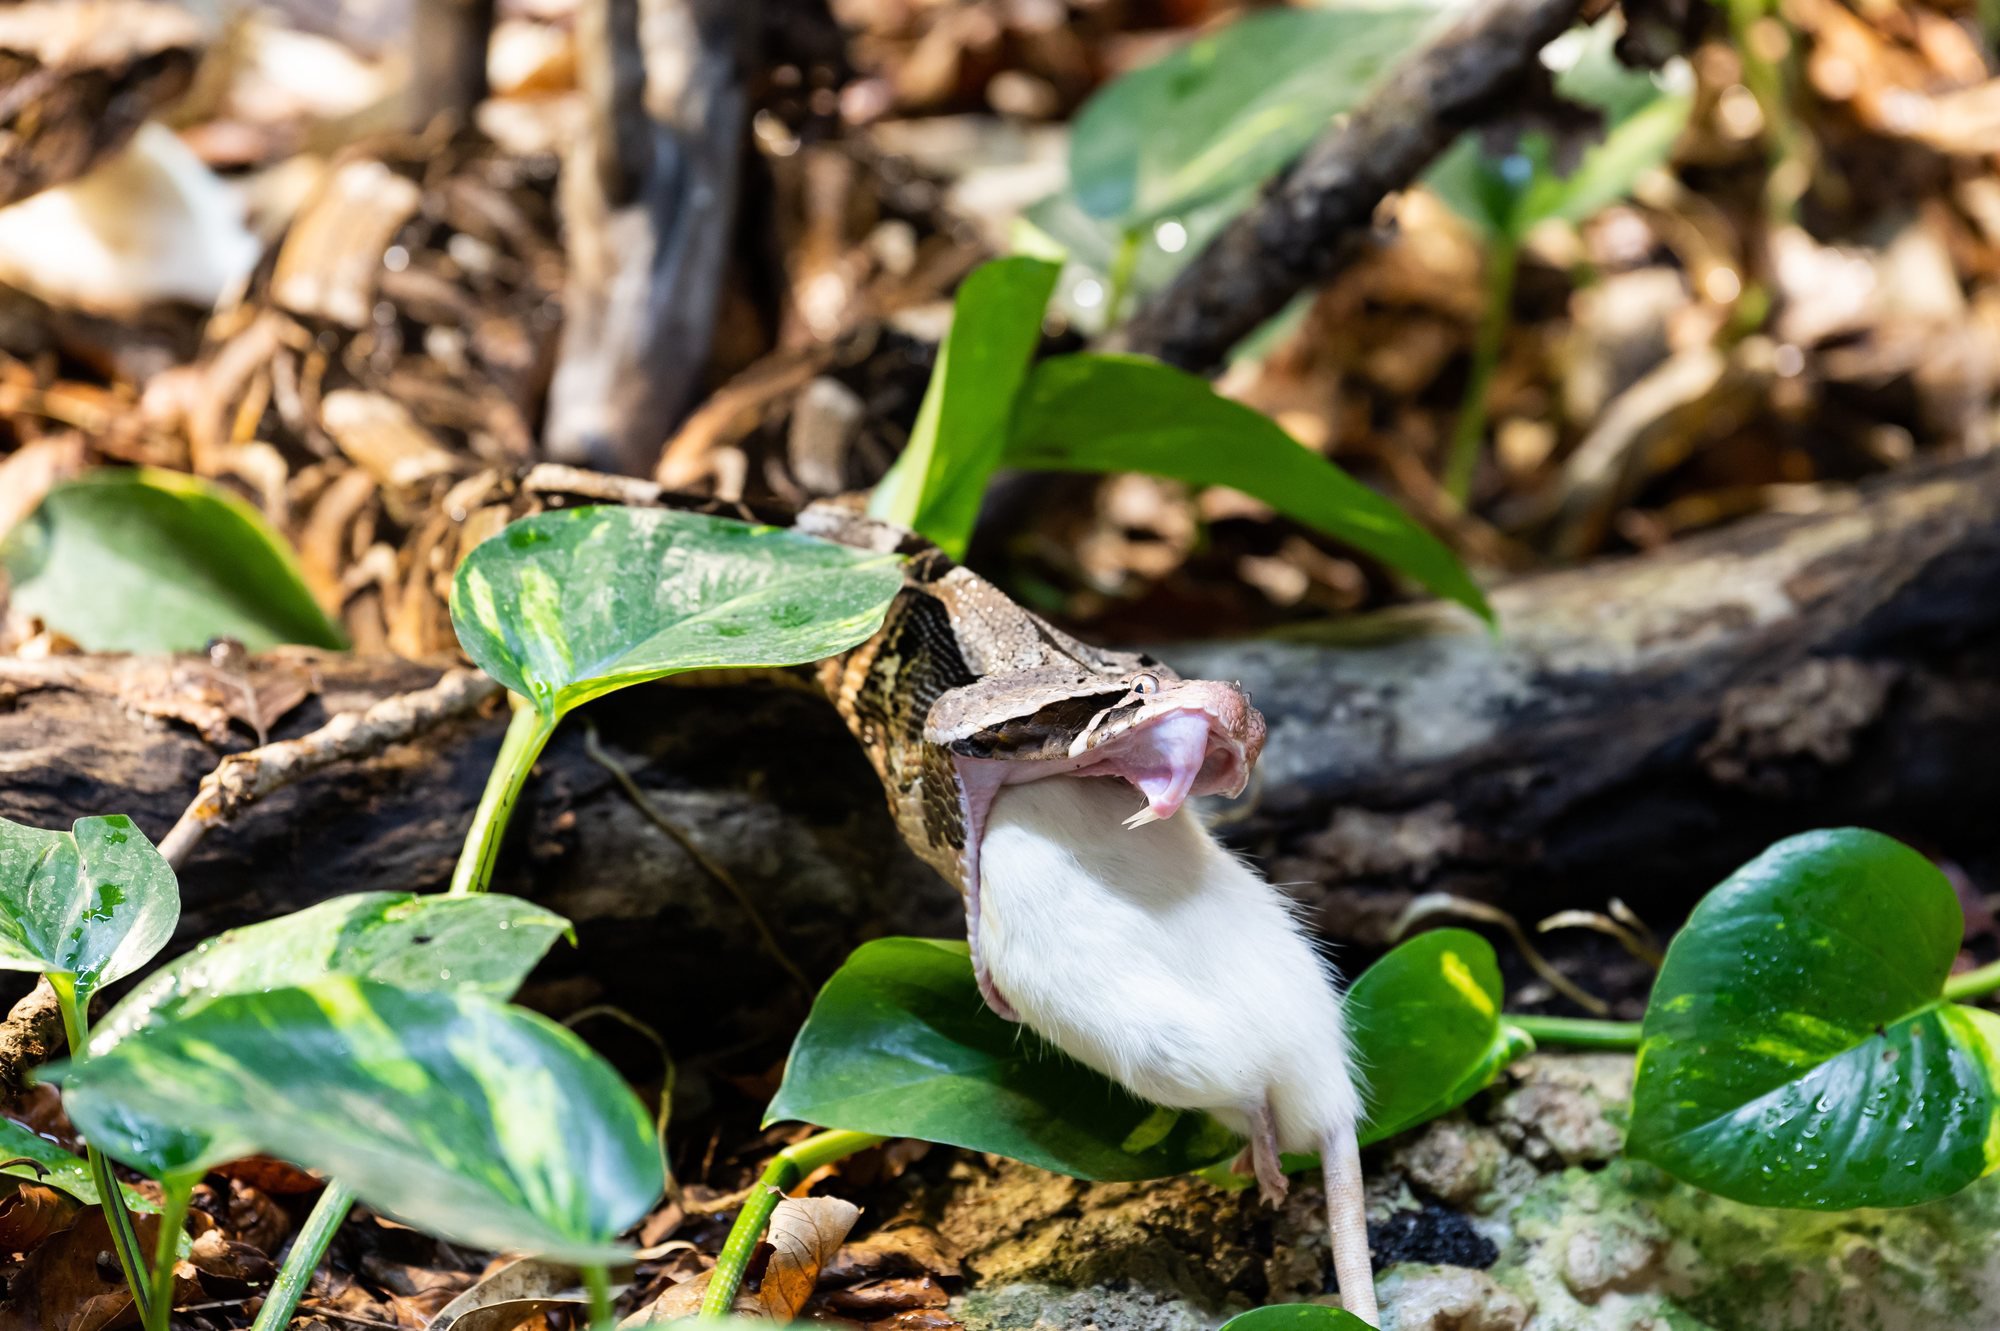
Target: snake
{"points": [[963, 691]]}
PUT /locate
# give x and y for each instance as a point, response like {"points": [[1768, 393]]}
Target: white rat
{"points": [[1157, 958]]}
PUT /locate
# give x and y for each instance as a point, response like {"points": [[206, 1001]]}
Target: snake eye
{"points": [[1146, 685]]}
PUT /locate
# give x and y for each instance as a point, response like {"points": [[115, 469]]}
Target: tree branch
{"points": [[1302, 231]]}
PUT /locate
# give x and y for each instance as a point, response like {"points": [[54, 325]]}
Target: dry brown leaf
{"points": [[918, 1319], [879, 1298], [513, 1296], [227, 1267], [71, 1282], [805, 1233], [31, 1212], [905, 1250], [265, 1174]]}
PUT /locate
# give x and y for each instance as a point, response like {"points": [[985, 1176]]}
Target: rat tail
{"points": [[1347, 1221]]}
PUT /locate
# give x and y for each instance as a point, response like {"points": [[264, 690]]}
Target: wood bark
{"points": [[1640, 727], [1644, 725], [1308, 224], [649, 205]]}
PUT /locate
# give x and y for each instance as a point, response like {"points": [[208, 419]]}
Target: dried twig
{"points": [[702, 858], [1431, 904], [1299, 233], [243, 778]]}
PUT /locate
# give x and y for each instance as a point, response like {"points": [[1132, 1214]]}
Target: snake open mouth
{"points": [[1190, 738]]}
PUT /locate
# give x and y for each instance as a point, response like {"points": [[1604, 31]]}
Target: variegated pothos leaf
{"points": [[96, 902], [482, 944], [463, 1116]]}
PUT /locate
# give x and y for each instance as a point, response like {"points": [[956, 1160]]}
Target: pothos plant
{"points": [[368, 1037], [1805, 1046]]}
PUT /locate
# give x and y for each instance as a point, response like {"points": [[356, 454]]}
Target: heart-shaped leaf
{"points": [[457, 1114], [483, 944], [1296, 1317], [480, 944], [145, 560], [1230, 108], [96, 902], [568, 605], [1126, 413], [1798, 1050], [1427, 1029], [899, 1044], [937, 483]]}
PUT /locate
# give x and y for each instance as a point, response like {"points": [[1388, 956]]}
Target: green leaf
{"points": [[96, 902], [1510, 194], [1427, 1029], [145, 560], [1296, 1317], [1126, 413], [1611, 168], [459, 1115], [565, 606], [898, 1043], [937, 483], [1229, 109], [1798, 1050], [1055, 227], [483, 944], [58, 1168]]}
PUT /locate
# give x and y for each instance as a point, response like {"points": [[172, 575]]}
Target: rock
{"points": [[1450, 1298], [1454, 1161], [1560, 1111]]}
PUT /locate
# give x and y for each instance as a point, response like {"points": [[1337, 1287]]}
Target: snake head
{"points": [[1170, 739], [1173, 739]]}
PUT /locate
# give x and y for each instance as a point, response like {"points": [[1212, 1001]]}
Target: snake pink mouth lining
{"points": [[1169, 759]]}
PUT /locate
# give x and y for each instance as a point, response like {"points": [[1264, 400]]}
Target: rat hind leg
{"points": [[1263, 1152]]}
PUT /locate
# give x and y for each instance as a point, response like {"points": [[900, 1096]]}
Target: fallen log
{"points": [[1640, 727]]}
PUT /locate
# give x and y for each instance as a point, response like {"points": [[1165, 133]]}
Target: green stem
{"points": [[783, 1173], [1973, 983], [526, 734], [598, 1281], [1462, 463], [1119, 280], [1579, 1031], [1769, 83], [118, 1220], [295, 1276], [176, 1191]]}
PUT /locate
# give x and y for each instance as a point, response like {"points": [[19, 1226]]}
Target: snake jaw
{"points": [[1191, 738]]}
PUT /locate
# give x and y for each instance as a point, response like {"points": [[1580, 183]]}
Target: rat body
{"points": [[1157, 958]]}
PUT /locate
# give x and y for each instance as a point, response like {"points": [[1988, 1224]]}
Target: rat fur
{"points": [[1157, 958]]}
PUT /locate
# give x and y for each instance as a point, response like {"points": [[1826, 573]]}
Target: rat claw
{"points": [[1141, 818]]}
